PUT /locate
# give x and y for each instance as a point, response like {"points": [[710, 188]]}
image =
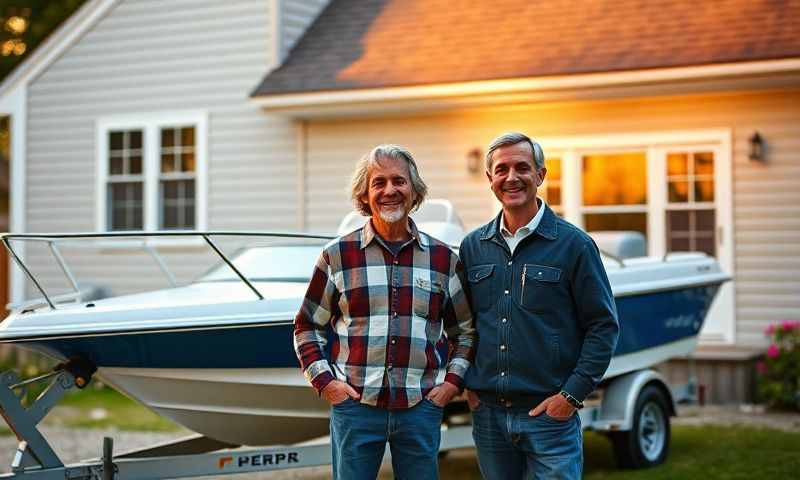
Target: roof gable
{"points": [[361, 44]]}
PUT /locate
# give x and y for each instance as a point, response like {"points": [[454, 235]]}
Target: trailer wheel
{"points": [[647, 443]]}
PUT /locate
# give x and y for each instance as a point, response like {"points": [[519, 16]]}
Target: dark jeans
{"points": [[513, 445], [359, 434]]}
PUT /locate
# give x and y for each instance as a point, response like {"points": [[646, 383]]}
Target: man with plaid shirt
{"points": [[388, 292]]}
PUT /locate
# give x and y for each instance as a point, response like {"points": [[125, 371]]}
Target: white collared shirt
{"points": [[513, 239]]}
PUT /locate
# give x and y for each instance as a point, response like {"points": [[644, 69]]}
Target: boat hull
{"points": [[252, 406], [243, 385]]}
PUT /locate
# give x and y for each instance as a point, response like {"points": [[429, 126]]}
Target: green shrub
{"points": [[779, 372]]}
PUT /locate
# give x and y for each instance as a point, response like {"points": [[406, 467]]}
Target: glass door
{"points": [[690, 198]]}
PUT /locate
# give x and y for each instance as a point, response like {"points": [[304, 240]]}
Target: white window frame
{"points": [[151, 125], [571, 148]]}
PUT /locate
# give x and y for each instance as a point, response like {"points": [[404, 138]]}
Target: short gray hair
{"points": [[359, 185], [513, 138]]}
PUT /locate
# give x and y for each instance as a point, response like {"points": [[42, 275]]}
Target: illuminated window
{"points": [[690, 177], [615, 179], [551, 190], [690, 214], [614, 191]]}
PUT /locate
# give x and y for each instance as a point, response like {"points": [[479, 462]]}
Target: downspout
{"points": [[17, 109], [302, 167]]}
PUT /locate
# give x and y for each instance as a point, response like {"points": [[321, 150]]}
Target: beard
{"points": [[392, 216]]}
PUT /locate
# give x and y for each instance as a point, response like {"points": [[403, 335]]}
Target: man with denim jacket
{"points": [[546, 321]]}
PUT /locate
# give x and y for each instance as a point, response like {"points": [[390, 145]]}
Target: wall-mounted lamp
{"points": [[474, 160], [757, 148]]}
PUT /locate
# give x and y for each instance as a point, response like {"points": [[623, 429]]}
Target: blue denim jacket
{"points": [[546, 317]]}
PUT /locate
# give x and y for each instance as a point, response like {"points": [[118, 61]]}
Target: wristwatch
{"points": [[572, 400]]}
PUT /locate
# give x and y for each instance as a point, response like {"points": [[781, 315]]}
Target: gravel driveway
{"points": [[73, 444]]}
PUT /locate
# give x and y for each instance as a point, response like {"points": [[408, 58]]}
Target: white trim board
{"points": [[330, 102], [14, 104]]}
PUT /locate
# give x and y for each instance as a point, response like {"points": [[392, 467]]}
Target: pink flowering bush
{"points": [[779, 373]]}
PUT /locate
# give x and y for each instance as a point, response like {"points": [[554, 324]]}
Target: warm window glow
{"points": [[615, 179], [690, 181], [552, 182], [690, 177], [615, 191]]}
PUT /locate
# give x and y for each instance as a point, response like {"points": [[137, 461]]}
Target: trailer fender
{"points": [[619, 399]]}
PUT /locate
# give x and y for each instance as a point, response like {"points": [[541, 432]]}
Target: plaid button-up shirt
{"points": [[387, 314]]}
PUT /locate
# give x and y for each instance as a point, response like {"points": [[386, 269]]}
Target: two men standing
{"points": [[542, 305]]}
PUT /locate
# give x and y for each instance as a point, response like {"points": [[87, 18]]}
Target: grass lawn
{"points": [[696, 452], [707, 452], [104, 408]]}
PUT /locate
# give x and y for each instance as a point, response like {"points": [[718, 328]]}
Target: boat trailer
{"points": [[634, 413], [192, 456]]}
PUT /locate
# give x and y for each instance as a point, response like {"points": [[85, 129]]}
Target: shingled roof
{"points": [[357, 44]]}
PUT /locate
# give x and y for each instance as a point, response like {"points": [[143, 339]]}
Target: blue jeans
{"points": [[359, 434], [513, 445]]}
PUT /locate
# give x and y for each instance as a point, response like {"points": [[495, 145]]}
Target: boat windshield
{"points": [[284, 263]]}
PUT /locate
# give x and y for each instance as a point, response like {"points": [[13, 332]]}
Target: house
{"points": [[678, 119]]}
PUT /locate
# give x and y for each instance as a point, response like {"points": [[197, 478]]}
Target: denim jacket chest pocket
{"points": [[482, 282], [540, 287]]}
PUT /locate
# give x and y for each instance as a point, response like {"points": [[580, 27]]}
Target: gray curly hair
{"points": [[359, 185]]}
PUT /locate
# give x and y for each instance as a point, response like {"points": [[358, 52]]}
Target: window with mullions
{"points": [[690, 202], [177, 178], [614, 191], [151, 172], [125, 184]]}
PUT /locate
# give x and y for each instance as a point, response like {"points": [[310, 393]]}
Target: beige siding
{"points": [[766, 197], [151, 57]]}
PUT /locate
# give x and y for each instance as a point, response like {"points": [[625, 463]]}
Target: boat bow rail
{"points": [[146, 241]]}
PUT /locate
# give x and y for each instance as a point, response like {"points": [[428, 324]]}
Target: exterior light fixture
{"points": [[474, 158], [757, 148]]}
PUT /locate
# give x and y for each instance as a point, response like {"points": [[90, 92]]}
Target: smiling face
{"points": [[514, 178], [390, 195]]}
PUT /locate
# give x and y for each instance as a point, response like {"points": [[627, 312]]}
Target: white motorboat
{"points": [[216, 355]]}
